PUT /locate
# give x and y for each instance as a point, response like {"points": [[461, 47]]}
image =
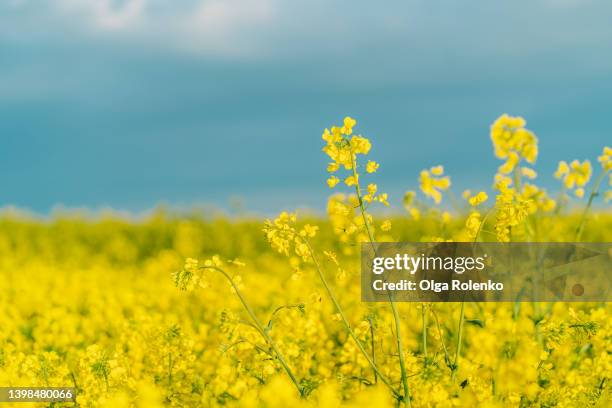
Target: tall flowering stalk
{"points": [[343, 148], [515, 144], [285, 238], [432, 183]]}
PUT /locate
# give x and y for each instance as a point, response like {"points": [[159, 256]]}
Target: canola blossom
{"points": [[190, 311]]}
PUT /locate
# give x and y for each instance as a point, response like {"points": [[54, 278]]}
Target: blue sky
{"points": [[131, 103]]}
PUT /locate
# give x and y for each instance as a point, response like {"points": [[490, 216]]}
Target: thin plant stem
{"points": [[455, 365], [372, 345], [424, 321], [459, 340], [446, 355], [347, 325], [482, 223], [453, 200], [396, 318], [398, 337], [260, 328], [278, 309], [594, 193], [561, 200], [517, 177]]}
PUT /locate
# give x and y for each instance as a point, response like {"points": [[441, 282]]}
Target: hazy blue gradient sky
{"points": [[132, 103]]}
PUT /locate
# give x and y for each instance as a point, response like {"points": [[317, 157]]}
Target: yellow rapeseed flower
{"points": [[432, 183], [372, 166], [512, 142], [575, 175], [333, 181], [528, 172], [478, 199], [333, 167], [562, 169], [309, 231], [606, 158], [472, 224], [437, 170], [349, 123], [360, 145], [383, 198], [351, 180]]}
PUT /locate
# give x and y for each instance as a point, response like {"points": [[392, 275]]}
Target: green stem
{"points": [[424, 321], [453, 200], [396, 319], [459, 340], [400, 350], [446, 355], [594, 193], [517, 177], [561, 200], [259, 327], [278, 309], [347, 325], [373, 344], [482, 223]]}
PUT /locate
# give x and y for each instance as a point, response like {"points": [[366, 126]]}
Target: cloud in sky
{"points": [[106, 14], [209, 27], [264, 28]]}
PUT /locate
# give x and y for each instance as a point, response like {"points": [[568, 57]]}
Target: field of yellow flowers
{"points": [[190, 311]]}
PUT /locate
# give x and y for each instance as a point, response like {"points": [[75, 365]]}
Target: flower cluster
{"points": [[513, 142], [284, 237], [433, 182], [575, 175], [473, 224], [511, 208], [606, 164], [343, 147], [478, 199], [606, 158], [345, 219], [538, 196]]}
